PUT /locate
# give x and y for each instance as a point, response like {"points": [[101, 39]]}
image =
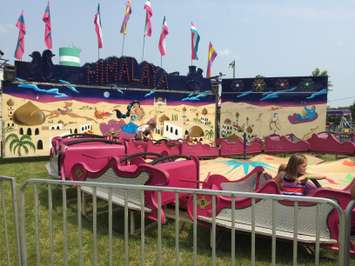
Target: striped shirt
{"points": [[292, 187]]}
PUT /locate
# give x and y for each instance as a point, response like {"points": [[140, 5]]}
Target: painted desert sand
{"points": [[270, 119]]}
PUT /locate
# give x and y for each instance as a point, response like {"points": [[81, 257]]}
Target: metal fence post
{"points": [[346, 246], [22, 226], [12, 182]]}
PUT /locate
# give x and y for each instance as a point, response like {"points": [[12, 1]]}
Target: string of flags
{"points": [[195, 36]]}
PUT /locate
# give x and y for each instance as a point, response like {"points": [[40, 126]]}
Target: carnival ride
{"points": [[95, 158], [96, 151]]}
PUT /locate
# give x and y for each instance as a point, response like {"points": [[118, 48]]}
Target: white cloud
{"points": [[6, 28]]}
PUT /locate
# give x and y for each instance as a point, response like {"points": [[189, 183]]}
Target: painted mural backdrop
{"points": [[263, 106], [37, 108]]}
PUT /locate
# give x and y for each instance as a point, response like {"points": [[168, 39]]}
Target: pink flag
{"points": [[48, 28], [148, 14], [20, 47], [98, 28], [163, 34]]}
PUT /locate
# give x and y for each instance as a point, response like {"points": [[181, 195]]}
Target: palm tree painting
{"points": [[18, 144], [209, 133]]}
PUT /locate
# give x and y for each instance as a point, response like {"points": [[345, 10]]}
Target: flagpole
{"points": [[161, 61], [123, 40], [143, 46], [98, 54], [234, 69], [191, 60]]}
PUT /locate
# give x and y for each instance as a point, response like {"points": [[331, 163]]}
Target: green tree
{"points": [[352, 108], [18, 144], [321, 73]]}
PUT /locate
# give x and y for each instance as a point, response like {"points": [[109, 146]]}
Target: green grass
{"points": [[24, 171]]}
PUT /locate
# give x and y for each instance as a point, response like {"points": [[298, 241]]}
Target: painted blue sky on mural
{"points": [[69, 91], [295, 90]]}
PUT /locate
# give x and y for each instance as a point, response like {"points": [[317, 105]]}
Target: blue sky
{"points": [[267, 37]]}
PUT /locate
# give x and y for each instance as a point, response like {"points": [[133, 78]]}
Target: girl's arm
{"points": [[307, 176], [317, 177]]}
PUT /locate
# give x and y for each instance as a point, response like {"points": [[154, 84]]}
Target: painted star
{"points": [[234, 164]]}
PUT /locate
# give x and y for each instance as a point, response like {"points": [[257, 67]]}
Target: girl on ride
{"points": [[293, 179]]}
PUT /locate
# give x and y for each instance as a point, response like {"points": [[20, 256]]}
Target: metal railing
{"points": [[46, 243], [10, 239]]}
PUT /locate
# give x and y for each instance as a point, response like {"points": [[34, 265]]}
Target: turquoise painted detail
{"points": [[234, 164]]}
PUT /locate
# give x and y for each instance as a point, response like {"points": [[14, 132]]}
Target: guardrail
{"points": [[10, 239], [46, 244]]}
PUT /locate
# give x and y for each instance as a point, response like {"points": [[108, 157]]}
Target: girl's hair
{"points": [[293, 163]]}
